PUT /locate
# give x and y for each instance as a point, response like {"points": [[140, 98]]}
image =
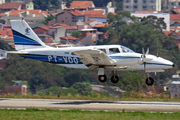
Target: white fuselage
{"points": [[125, 59]]}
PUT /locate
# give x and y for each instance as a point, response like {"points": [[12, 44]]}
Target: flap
{"points": [[94, 57]]}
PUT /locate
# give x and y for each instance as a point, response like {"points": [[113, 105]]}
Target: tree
{"points": [[82, 88], [55, 90], [48, 18], [131, 81], [2, 21], [46, 4], [158, 23], [4, 45], [76, 34]]}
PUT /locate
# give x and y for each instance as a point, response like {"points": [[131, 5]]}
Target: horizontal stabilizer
{"points": [[17, 52]]}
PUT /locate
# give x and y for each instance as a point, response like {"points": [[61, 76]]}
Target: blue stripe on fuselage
{"points": [[54, 59], [156, 64], [123, 57]]}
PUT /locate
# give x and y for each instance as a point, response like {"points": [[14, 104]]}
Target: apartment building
{"points": [[138, 5], [169, 4]]}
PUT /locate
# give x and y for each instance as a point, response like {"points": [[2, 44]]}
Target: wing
{"points": [[94, 57]]}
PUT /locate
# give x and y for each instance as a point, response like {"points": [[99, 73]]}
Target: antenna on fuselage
{"points": [[55, 43], [68, 42]]}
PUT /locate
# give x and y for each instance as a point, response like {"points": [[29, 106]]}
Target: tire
{"points": [[114, 79], [102, 78], [149, 81]]}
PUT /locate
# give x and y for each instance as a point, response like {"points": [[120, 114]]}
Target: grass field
{"points": [[49, 114]]}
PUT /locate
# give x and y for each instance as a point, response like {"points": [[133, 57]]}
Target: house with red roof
{"points": [[82, 5], [59, 30], [28, 15], [99, 26], [174, 18], [98, 15], [42, 29], [71, 18], [90, 22], [76, 17], [43, 33], [69, 29], [47, 33], [10, 6]]}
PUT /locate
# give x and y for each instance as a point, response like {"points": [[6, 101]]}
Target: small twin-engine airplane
{"points": [[100, 57]]}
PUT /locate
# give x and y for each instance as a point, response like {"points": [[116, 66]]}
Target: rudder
{"points": [[24, 36]]}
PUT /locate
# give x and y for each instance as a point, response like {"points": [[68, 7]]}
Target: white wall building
{"points": [[3, 54], [2, 1], [139, 5], [164, 16], [175, 87]]}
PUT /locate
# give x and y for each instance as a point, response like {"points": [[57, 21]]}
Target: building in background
{"points": [[26, 4], [5, 7], [2, 1], [82, 5], [138, 5], [19, 88], [175, 86]]}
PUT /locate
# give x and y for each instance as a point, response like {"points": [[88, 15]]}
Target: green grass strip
{"points": [[76, 114]]}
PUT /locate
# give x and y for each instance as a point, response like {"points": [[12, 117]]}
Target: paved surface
{"points": [[90, 105]]}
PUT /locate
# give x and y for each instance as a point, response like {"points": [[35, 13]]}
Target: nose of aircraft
{"points": [[167, 62], [173, 65]]}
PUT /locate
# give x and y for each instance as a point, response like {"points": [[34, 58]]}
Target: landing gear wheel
{"points": [[102, 78], [149, 81], [114, 79]]}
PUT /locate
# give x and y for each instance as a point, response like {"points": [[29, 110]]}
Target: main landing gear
{"points": [[114, 78], [103, 78]]}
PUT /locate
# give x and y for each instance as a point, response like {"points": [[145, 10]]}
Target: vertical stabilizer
{"points": [[24, 36]]}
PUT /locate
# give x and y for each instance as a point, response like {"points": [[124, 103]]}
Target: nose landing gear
{"points": [[149, 81]]}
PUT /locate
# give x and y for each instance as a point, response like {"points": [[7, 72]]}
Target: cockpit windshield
{"points": [[126, 50]]}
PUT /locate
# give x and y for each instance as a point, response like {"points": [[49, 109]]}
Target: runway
{"points": [[90, 105]]}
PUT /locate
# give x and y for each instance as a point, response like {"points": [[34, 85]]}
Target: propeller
{"points": [[144, 57]]}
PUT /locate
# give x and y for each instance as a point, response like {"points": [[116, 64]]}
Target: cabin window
{"points": [[66, 52], [124, 50], [113, 50], [103, 50]]}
